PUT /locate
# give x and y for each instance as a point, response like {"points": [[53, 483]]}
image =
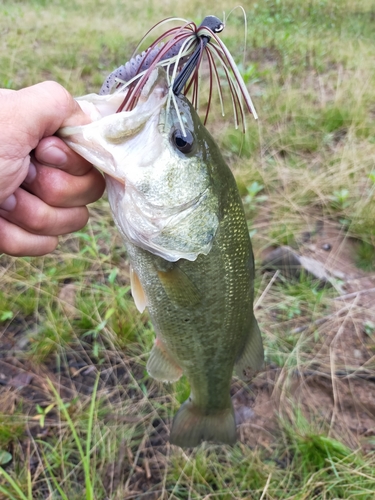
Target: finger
{"points": [[61, 189], [6, 92], [32, 214], [54, 152], [17, 242], [28, 115], [49, 106]]}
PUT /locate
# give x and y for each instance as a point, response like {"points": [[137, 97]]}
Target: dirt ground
{"points": [[336, 386]]}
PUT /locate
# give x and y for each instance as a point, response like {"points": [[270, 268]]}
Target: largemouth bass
{"points": [[176, 204]]}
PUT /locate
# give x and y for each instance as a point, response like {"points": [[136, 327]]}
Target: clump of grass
{"points": [[11, 428], [365, 256], [229, 473]]}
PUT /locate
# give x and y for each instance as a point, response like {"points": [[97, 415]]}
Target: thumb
{"points": [[40, 110]]}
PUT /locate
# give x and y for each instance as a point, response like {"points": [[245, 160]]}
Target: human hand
{"points": [[44, 185]]}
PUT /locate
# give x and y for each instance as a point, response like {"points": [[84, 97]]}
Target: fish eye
{"points": [[183, 143]]}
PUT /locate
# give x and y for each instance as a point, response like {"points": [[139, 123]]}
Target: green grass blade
{"points": [[85, 458], [14, 485], [29, 484], [88, 440], [54, 480], [89, 492], [6, 492]]}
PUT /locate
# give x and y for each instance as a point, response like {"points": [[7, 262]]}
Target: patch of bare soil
{"points": [[335, 388]]}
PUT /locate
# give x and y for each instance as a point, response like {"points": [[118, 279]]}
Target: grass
{"points": [[305, 170]]}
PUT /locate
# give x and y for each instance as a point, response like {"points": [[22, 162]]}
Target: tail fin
{"points": [[191, 426]]}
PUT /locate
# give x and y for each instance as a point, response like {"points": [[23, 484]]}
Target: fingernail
{"points": [[31, 174], [53, 156], [9, 204]]}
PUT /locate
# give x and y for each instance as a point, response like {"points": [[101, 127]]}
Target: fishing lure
{"points": [[180, 50]]}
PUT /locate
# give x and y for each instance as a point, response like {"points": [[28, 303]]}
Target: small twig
{"points": [[356, 374], [333, 357], [147, 468], [134, 465], [266, 486], [355, 294], [265, 291]]}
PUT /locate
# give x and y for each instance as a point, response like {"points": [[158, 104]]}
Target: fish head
{"points": [[158, 167]]}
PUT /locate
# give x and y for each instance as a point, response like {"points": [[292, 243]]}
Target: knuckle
{"points": [[43, 219], [53, 186], [63, 100]]}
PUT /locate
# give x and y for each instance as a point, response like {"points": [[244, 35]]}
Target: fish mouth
{"points": [[108, 138]]}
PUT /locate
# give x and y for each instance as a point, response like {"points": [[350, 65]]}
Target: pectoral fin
{"points": [[252, 355], [179, 288], [138, 293], [161, 366]]}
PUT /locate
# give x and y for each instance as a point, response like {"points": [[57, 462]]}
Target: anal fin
{"points": [[161, 366], [252, 355], [138, 293]]}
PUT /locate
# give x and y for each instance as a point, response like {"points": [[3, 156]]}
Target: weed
{"points": [[6, 315], [365, 258], [369, 328], [253, 198], [11, 428], [339, 199]]}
